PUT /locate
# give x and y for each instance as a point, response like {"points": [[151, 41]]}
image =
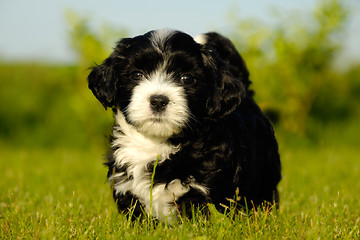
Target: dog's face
{"points": [[164, 81]]}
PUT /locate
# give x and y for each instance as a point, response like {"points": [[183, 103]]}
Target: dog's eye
{"points": [[187, 79], [137, 75]]}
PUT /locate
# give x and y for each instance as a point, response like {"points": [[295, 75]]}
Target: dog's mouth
{"points": [[157, 117], [158, 126], [158, 120]]}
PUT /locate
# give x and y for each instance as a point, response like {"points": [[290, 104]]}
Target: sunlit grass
{"points": [[53, 183], [63, 193]]}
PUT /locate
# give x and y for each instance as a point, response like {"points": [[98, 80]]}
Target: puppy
{"points": [[187, 131]]}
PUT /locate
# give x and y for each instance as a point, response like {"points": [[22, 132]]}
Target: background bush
{"points": [[294, 69]]}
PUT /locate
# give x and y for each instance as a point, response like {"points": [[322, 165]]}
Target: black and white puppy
{"points": [[186, 104]]}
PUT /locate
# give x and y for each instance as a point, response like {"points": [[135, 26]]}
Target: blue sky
{"points": [[37, 29]]}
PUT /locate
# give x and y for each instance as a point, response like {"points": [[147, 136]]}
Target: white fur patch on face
{"points": [[201, 39], [158, 124]]}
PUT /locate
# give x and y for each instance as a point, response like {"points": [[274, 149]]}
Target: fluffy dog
{"points": [[183, 112]]}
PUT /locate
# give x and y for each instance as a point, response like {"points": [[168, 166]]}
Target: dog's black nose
{"points": [[158, 102]]}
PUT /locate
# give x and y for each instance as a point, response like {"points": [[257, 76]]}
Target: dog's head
{"points": [[164, 80]]}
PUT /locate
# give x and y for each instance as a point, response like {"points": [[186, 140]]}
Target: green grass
{"points": [[53, 183], [62, 193]]}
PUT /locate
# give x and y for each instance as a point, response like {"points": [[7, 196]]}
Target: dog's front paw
{"points": [[177, 187]]}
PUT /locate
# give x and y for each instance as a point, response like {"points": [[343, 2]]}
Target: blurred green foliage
{"points": [[292, 66], [91, 47], [50, 105], [44, 106]]}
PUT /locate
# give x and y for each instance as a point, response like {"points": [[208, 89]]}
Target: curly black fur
{"points": [[226, 144]]}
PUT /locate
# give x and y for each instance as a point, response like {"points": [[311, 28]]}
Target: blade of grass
{"points": [[152, 184]]}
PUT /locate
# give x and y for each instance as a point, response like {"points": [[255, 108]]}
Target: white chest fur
{"points": [[136, 151]]}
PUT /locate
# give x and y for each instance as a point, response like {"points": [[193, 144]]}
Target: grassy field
{"points": [[53, 183], [61, 193]]}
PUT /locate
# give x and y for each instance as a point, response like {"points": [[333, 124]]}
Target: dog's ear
{"points": [[229, 72], [227, 94], [103, 80]]}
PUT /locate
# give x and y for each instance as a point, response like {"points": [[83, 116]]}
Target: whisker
{"points": [[192, 123]]}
